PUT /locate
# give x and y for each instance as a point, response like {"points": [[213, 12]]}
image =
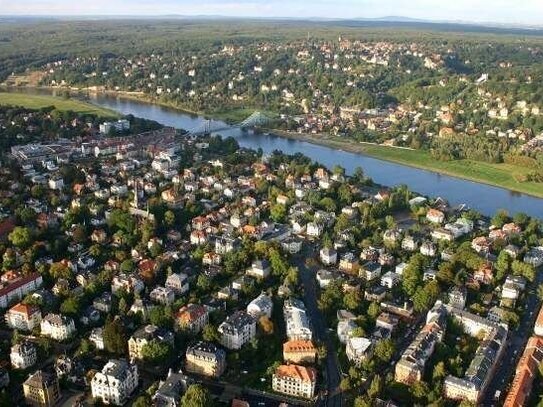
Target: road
{"points": [[516, 343], [333, 396]]}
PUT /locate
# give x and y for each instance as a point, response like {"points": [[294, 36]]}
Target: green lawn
{"points": [[41, 101], [501, 175]]}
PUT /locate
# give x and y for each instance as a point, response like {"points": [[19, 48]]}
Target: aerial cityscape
{"points": [[271, 204]]}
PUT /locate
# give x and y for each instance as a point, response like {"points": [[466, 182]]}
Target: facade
{"points": [[260, 306], [192, 318], [410, 367], [527, 370], [238, 329], [16, 289], [205, 359], [169, 391], [143, 336], [297, 320], [358, 350], [295, 380], [178, 282], [259, 269], [116, 382], [299, 352], [23, 317], [41, 389], [57, 327], [23, 355]]}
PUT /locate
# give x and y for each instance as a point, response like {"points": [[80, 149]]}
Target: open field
{"points": [[500, 175], [41, 101]]}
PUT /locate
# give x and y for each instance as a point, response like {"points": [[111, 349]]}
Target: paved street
{"points": [[515, 346], [334, 397]]}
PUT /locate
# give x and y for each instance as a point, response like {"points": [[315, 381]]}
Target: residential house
{"points": [[23, 317], [260, 306], [297, 320], [116, 382], [295, 380], [57, 327], [370, 270], [143, 336], [299, 351], [205, 359], [238, 329], [23, 355], [358, 350], [192, 318], [41, 389], [259, 269], [178, 282]]}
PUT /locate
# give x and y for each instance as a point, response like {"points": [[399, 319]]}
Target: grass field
{"points": [[41, 101], [500, 175]]}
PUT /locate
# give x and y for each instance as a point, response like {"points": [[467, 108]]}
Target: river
{"points": [[484, 198]]}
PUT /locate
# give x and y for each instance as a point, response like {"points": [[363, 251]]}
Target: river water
{"points": [[484, 198]]}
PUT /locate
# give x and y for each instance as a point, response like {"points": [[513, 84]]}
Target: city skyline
{"points": [[529, 12]]}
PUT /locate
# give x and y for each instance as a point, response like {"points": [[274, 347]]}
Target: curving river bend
{"points": [[484, 198]]}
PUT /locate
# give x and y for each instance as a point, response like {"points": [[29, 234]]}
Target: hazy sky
{"points": [[503, 11]]}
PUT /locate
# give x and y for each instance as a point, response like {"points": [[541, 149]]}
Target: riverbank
{"points": [[499, 175], [41, 101]]}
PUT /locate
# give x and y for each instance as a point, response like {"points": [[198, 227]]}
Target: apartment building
{"points": [[57, 327], [144, 336], [192, 318], [23, 355], [206, 359], [295, 380], [41, 389], [23, 317], [299, 351], [297, 320], [238, 329], [115, 383]]}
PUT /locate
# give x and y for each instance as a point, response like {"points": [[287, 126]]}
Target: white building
{"points": [[297, 320], [97, 338], [328, 256], [57, 327], [259, 269], [115, 383], [314, 229], [162, 295], [260, 306], [23, 317], [23, 355], [295, 380], [178, 282], [238, 329], [358, 350], [390, 279]]}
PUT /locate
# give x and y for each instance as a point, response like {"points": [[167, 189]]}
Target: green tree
{"points": [[114, 336], [196, 396], [156, 352], [71, 306], [278, 213], [384, 350], [210, 333], [20, 237], [376, 386]]}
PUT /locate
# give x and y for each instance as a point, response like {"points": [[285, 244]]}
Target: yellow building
{"points": [[41, 389], [299, 351]]}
